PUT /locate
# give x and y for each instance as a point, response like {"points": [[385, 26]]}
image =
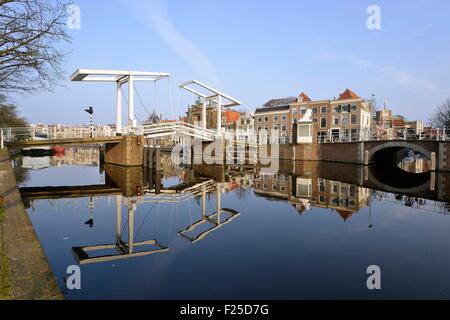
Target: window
{"points": [[275, 118], [259, 129], [283, 128], [354, 134], [294, 120], [353, 119], [303, 110], [314, 120], [323, 122], [353, 108], [321, 136], [322, 186], [260, 119], [352, 191], [275, 127], [337, 109], [266, 119], [323, 110], [336, 120], [284, 117], [294, 111], [314, 110], [346, 108]]}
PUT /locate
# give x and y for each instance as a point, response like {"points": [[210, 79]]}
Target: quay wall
{"points": [[25, 272]]}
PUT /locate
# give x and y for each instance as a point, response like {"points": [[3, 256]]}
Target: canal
{"points": [[309, 231]]}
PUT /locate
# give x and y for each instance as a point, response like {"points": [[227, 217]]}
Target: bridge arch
{"points": [[385, 152]]}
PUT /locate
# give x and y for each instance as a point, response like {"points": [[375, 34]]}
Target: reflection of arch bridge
{"points": [[372, 152]]}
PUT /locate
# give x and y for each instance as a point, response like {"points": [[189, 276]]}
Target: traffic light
{"points": [[90, 110]]}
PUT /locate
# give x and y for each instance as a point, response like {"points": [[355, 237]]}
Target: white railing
{"points": [[52, 133], [429, 135], [176, 128]]}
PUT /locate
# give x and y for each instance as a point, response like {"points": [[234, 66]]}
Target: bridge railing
{"points": [[52, 133], [429, 135], [179, 127]]}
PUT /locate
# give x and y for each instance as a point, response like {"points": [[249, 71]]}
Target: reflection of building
{"points": [[272, 186], [415, 164], [85, 156], [306, 192], [35, 163]]}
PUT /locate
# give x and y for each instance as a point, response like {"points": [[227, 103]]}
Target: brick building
{"points": [[346, 119]]}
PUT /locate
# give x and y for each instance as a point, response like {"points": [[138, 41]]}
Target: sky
{"points": [[254, 50]]}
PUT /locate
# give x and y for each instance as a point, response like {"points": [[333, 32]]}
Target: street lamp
{"points": [[90, 110]]}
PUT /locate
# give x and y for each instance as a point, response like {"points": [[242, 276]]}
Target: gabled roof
{"points": [[305, 97], [348, 94], [345, 215]]}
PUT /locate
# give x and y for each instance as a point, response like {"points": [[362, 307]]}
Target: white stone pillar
{"points": [[131, 210], [131, 120], [204, 114], [118, 217], [219, 206], [219, 114], [119, 109]]}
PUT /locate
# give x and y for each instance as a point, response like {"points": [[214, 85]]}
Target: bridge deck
{"points": [[35, 193], [57, 142]]}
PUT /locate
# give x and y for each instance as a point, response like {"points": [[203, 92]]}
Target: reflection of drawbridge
{"points": [[213, 220], [178, 193], [120, 249]]}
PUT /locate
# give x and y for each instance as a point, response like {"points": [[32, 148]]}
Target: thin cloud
{"points": [[408, 80], [178, 42]]}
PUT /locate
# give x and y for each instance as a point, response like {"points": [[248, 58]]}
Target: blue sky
{"points": [[255, 51]]}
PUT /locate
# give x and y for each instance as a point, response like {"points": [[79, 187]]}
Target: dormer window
{"points": [[300, 99]]}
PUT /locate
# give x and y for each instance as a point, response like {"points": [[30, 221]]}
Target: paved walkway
{"points": [[25, 272]]}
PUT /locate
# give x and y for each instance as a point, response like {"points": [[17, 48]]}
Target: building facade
{"points": [[348, 118]]}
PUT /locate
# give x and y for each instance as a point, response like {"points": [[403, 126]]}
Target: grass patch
{"points": [[5, 279]]}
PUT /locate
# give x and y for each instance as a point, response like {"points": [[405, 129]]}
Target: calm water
{"points": [[310, 231]]}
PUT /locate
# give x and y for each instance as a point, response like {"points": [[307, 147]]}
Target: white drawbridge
{"points": [[178, 128]]}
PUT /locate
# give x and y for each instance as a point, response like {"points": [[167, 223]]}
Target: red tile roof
{"points": [[231, 116], [345, 215], [304, 96], [348, 94]]}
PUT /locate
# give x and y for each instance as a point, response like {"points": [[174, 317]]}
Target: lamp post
{"points": [[90, 110]]}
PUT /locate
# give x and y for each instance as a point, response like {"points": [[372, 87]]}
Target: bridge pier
{"points": [[128, 152]]}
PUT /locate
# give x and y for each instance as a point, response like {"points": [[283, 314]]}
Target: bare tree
{"points": [[441, 117], [9, 116], [30, 32]]}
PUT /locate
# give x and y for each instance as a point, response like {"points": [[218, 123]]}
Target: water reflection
{"points": [[165, 224]]}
